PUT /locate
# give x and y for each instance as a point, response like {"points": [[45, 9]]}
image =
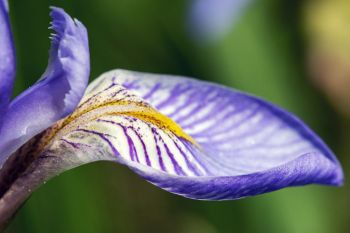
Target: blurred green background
{"points": [[285, 51]]}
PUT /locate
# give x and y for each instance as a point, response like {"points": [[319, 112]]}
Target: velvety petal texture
{"points": [[192, 138], [58, 91], [7, 59], [210, 19]]}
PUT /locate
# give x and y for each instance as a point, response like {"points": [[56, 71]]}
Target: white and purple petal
{"points": [[230, 145], [57, 92], [7, 59]]}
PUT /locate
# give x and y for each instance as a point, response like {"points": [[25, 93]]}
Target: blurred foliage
{"points": [[327, 28], [263, 54]]}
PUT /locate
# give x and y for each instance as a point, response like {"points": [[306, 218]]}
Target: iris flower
{"points": [[192, 138]]}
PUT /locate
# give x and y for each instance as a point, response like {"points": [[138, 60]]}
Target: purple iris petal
{"points": [[246, 145], [306, 169], [211, 18], [57, 92], [7, 59]]}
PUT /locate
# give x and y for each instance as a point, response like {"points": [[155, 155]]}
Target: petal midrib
{"points": [[128, 108]]}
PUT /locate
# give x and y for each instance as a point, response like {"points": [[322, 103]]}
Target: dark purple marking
{"points": [[137, 134], [216, 164], [75, 144], [177, 167], [160, 159], [188, 163], [104, 137], [116, 93], [143, 146], [189, 146], [98, 93], [132, 149]]}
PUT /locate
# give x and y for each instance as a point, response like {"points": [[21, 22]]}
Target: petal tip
{"points": [[338, 179], [70, 50], [64, 25]]}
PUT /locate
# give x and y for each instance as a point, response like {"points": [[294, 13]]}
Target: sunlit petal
{"points": [[58, 91], [225, 144]]}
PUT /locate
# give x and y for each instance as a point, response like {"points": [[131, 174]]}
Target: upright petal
{"points": [[225, 144], [7, 59], [57, 92]]}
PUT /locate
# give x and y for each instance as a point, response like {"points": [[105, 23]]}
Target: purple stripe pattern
{"points": [[243, 146], [191, 138], [112, 128]]}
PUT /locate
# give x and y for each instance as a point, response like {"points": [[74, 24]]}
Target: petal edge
{"points": [[57, 92]]}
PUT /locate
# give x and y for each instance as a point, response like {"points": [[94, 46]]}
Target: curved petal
{"points": [[210, 19], [58, 91], [7, 59], [231, 145]]}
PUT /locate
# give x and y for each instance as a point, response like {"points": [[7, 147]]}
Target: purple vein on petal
{"points": [[148, 162], [176, 166], [196, 109], [132, 149], [104, 137], [160, 159], [152, 91], [242, 145], [173, 95], [76, 145]]}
